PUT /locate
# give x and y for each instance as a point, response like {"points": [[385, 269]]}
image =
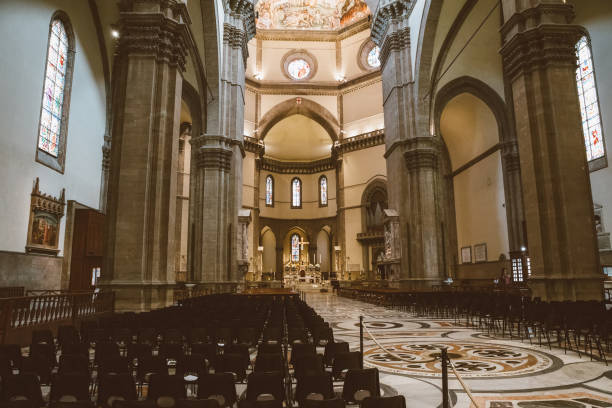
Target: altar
{"points": [[298, 273]]}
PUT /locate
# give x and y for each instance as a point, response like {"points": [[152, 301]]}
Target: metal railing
{"points": [[21, 314]]}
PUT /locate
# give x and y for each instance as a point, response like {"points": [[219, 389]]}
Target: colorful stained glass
{"points": [[589, 104], [296, 193], [374, 57], [295, 248], [269, 190], [49, 136], [298, 69], [323, 192]]}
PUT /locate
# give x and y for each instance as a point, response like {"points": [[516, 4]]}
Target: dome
{"points": [[309, 14]]}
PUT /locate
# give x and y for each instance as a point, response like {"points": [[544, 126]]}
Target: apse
{"points": [[297, 138]]}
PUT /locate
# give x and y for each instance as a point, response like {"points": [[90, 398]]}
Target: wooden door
{"points": [[87, 248]]}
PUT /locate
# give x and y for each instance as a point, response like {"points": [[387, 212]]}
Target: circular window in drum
{"points": [[298, 69], [374, 57]]}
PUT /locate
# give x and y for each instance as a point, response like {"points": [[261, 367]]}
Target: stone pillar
{"points": [[280, 268], [515, 214], [106, 157], [256, 230], [182, 203], [217, 160], [539, 61], [244, 219], [140, 242], [412, 158], [341, 218]]}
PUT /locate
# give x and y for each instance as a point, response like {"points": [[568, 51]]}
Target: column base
{"points": [[553, 289], [140, 297]]}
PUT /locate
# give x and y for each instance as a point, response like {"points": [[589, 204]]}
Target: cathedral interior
{"points": [[305, 203]]}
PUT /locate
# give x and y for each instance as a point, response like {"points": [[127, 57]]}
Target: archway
{"points": [[268, 261], [471, 132]]}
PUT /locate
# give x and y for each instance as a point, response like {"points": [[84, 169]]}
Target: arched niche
{"points": [[471, 133], [268, 242]]}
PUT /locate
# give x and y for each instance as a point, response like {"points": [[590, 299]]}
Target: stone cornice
{"points": [[371, 237], [541, 46], [254, 145], [154, 34], [395, 41], [312, 35], [291, 88], [312, 167], [419, 152], [359, 142], [386, 11], [245, 10]]}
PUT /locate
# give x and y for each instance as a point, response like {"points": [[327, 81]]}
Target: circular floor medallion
{"points": [[470, 359]]}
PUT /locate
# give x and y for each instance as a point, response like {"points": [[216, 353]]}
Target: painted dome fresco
{"points": [[309, 14]]}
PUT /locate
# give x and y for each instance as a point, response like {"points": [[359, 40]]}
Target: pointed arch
{"points": [[299, 106]]}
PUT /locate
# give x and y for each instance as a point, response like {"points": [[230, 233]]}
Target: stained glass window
{"points": [[589, 104], [295, 248], [269, 191], [296, 192], [298, 68], [53, 93], [374, 57], [323, 190]]}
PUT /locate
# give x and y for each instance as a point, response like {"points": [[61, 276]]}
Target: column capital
{"points": [[154, 28], [421, 153], [510, 155], [212, 152], [387, 11]]}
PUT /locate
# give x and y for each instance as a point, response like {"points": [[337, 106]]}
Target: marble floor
{"points": [[501, 373]]}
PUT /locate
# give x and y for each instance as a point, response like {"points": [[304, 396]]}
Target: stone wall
{"points": [[30, 271]]}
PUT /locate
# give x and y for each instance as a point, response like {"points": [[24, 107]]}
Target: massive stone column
{"points": [[140, 247], [540, 63], [341, 273], [412, 157], [216, 196]]}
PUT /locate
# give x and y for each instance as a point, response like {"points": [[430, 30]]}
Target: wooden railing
{"points": [[11, 291], [20, 315]]}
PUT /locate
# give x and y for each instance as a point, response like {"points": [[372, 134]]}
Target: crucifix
{"points": [[302, 242]]}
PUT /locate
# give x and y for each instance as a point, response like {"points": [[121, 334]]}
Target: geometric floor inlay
{"points": [[470, 359]]}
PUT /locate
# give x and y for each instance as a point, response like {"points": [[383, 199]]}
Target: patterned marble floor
{"points": [[501, 373]]}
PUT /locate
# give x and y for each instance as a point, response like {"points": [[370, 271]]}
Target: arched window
{"points": [[296, 193], [589, 102], [51, 145], [323, 191], [269, 191], [295, 248]]}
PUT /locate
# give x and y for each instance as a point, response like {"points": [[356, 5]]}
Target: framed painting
{"points": [[480, 253], [46, 213], [466, 255]]}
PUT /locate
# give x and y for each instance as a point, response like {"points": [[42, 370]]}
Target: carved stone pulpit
{"points": [[393, 249]]}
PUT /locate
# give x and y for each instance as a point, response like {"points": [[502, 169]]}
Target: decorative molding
{"points": [[510, 156], [395, 41], [46, 212], [153, 34], [312, 167], [540, 47], [321, 89], [245, 10], [371, 237], [254, 145], [314, 35], [386, 11], [421, 153], [362, 141]]}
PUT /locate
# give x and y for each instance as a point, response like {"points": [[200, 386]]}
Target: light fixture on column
{"points": [[114, 31], [258, 76]]}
